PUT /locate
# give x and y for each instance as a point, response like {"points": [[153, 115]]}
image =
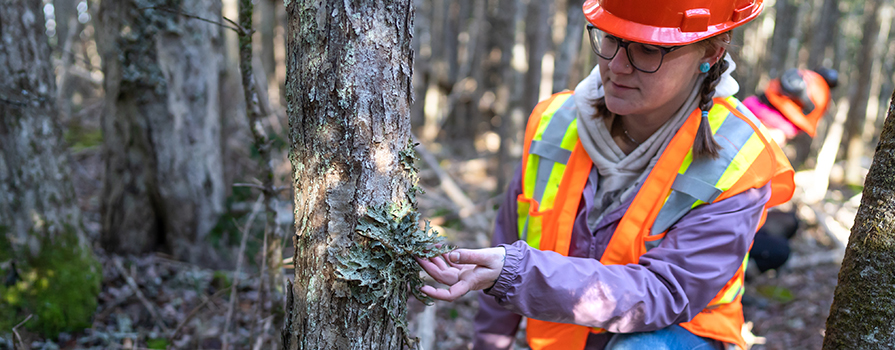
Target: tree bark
{"points": [[537, 40], [784, 26], [349, 95], [863, 312], [161, 124], [48, 267]]}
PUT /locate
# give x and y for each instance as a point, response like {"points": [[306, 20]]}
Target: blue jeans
{"points": [[669, 338]]}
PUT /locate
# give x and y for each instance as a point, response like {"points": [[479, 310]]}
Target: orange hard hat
{"points": [[805, 111], [669, 22]]}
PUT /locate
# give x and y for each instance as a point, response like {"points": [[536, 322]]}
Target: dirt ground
{"points": [[787, 308]]}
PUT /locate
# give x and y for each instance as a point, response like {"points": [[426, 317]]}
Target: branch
{"points": [[133, 284], [238, 29], [15, 333], [239, 260]]}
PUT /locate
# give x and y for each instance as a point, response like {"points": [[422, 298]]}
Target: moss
{"points": [[59, 286]]}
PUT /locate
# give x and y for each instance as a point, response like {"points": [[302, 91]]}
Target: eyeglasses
{"points": [[644, 57]]}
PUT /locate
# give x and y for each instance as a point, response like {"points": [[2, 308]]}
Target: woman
{"points": [[629, 221]]}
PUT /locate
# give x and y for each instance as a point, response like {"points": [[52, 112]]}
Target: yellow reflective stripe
{"points": [[744, 158], [552, 187], [548, 114], [570, 139], [736, 289], [534, 231], [717, 115], [530, 175]]}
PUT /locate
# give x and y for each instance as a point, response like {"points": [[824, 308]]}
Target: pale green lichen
{"points": [[380, 269]]}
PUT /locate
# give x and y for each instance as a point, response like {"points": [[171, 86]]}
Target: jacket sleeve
{"points": [[495, 326], [670, 284]]}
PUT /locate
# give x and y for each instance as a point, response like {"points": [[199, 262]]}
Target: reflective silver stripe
{"points": [[652, 244], [553, 134], [524, 235], [550, 151], [731, 136], [695, 187]]}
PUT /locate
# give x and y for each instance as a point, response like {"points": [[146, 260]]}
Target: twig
{"points": [[239, 261], [15, 332], [270, 270], [237, 28], [469, 214], [133, 284], [195, 311]]}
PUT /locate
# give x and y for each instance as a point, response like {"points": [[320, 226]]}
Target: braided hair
{"points": [[705, 145]]}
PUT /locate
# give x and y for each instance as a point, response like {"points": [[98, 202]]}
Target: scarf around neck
{"points": [[615, 175]]}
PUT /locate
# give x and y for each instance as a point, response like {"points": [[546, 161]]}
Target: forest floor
{"points": [[155, 302]]}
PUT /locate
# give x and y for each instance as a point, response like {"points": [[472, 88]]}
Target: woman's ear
{"points": [[714, 52]]}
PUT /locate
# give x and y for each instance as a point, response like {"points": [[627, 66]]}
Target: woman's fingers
{"points": [[438, 269], [455, 292]]}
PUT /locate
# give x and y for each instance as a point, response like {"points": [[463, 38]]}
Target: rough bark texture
{"points": [[161, 124], [863, 312], [538, 21], [349, 95], [41, 237]]}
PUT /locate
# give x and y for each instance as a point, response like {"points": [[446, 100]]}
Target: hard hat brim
{"points": [[662, 35]]}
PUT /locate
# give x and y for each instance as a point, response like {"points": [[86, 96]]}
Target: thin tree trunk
{"points": [[571, 44], [48, 266], [857, 114], [537, 39], [504, 27], [349, 95], [822, 36], [863, 312], [784, 26], [161, 125]]}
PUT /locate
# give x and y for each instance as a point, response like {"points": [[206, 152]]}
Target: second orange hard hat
{"points": [[669, 22]]}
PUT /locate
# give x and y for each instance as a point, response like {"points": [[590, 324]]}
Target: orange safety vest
{"points": [[818, 93], [556, 167]]}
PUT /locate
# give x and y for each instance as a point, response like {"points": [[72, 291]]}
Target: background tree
{"points": [[349, 98], [863, 311], [161, 125], [48, 267]]}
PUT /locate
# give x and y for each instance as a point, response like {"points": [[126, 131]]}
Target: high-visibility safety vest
{"points": [[555, 170]]}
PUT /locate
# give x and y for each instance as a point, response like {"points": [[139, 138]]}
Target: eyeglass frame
{"points": [[624, 44]]}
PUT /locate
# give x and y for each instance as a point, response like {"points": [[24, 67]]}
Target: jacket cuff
{"points": [[509, 273]]}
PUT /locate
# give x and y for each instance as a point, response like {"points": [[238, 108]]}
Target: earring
{"points": [[704, 67]]}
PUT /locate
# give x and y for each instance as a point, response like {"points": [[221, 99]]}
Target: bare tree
{"points": [[163, 184], [48, 267], [863, 312], [824, 30], [349, 96], [857, 114]]}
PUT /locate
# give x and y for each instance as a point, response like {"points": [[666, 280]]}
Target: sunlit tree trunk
{"points": [[537, 42], [863, 312], [568, 50], [163, 186], [822, 36], [348, 91], [784, 26], [48, 267]]}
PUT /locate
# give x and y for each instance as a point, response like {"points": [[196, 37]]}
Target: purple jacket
{"points": [[671, 283]]}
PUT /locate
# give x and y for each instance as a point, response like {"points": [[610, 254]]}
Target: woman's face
{"points": [[631, 92]]}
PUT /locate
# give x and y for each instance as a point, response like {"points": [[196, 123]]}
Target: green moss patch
{"points": [[59, 287]]}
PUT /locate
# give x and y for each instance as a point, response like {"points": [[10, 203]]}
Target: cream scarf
{"points": [[615, 174]]}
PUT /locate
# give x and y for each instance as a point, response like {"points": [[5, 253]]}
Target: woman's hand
{"points": [[463, 270]]}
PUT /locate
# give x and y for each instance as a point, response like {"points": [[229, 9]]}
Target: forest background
{"points": [[180, 279]]}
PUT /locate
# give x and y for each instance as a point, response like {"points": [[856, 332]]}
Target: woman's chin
{"points": [[619, 106]]}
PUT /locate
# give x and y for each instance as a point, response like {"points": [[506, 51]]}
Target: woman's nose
{"points": [[620, 63]]}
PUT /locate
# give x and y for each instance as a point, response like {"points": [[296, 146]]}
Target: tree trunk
{"points": [[537, 40], [863, 312], [784, 26], [571, 44], [349, 94], [857, 114], [822, 36], [161, 125], [504, 28], [48, 267]]}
